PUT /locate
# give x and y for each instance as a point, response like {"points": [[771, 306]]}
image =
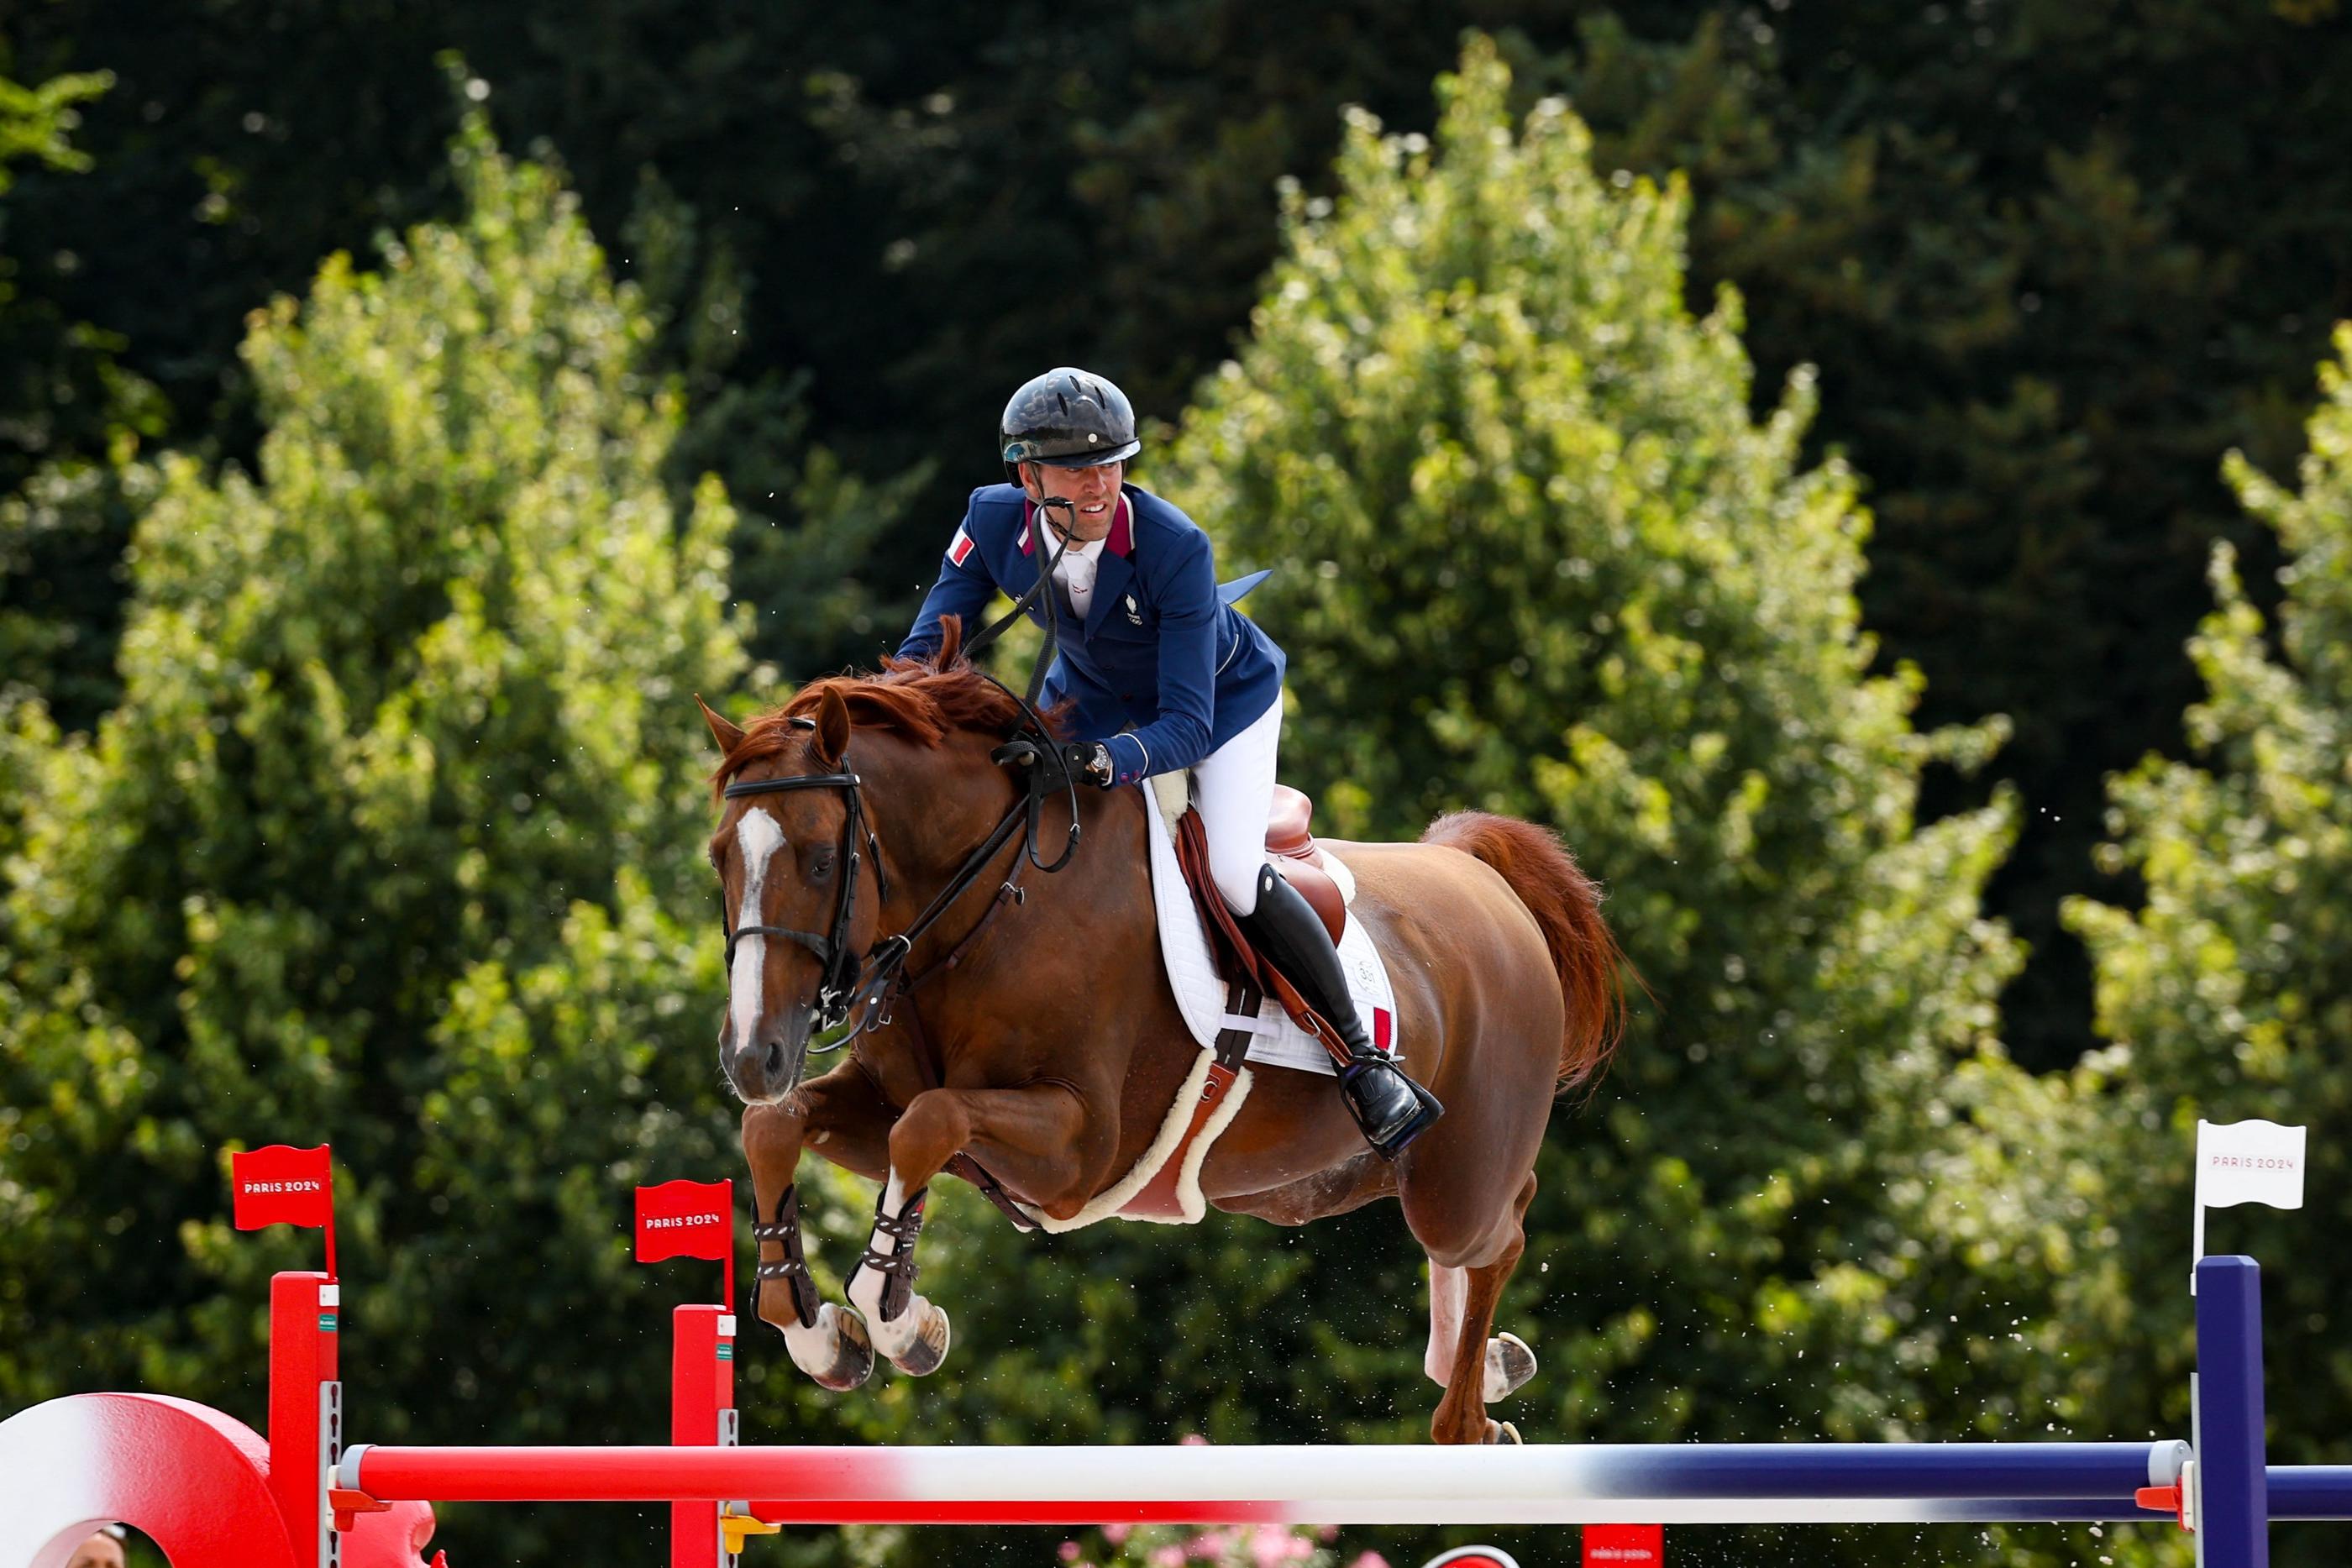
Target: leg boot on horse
{"points": [[844, 1117]]}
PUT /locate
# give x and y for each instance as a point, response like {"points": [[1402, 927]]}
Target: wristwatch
{"points": [[1092, 758]]}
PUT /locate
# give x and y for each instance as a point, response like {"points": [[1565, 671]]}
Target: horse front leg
{"points": [[842, 1116], [1032, 1136]]}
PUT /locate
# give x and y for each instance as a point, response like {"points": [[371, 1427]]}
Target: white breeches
{"points": [[1234, 787]]}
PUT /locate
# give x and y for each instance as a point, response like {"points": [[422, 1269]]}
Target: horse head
{"points": [[801, 892], [799, 854]]}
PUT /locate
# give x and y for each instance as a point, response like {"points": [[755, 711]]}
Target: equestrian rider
{"points": [[1166, 675]]}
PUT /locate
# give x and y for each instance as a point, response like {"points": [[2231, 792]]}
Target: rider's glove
{"points": [[1090, 759]]}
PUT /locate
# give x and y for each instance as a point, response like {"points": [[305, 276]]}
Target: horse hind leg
{"points": [[1509, 1362], [1480, 1365], [1449, 1288], [1474, 1368]]}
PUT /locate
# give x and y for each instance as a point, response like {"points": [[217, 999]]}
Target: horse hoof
{"points": [[1502, 1432], [853, 1352], [1509, 1364], [929, 1348]]}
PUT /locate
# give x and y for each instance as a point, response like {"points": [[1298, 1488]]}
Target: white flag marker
{"points": [[2244, 1162]]}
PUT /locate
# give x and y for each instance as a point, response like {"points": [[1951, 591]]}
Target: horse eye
{"points": [[820, 864]]}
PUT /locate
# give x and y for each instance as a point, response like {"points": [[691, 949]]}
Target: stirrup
{"points": [[1396, 1121]]}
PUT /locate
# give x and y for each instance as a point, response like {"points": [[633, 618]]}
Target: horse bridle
{"points": [[864, 986], [840, 968]]}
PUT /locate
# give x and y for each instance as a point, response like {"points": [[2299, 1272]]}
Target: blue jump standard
{"points": [[2233, 1503]]}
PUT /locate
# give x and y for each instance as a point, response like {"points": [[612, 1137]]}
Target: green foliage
{"points": [[61, 536], [1537, 557], [2226, 995], [34, 121], [2038, 252], [391, 839]]}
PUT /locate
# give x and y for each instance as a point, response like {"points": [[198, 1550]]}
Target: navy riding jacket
{"points": [[1163, 668]]}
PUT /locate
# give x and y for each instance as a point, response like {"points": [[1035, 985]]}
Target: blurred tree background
{"points": [[1780, 447], [2039, 253]]}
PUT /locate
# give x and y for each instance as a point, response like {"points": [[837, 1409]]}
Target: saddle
{"points": [[1294, 853], [1250, 980], [1298, 860]]}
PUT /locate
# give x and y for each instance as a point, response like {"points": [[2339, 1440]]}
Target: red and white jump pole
{"points": [[215, 1495]]}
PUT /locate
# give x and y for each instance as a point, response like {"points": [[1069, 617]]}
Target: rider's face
{"points": [[1093, 494]]}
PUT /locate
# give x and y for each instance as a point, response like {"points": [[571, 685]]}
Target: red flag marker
{"points": [[279, 1185], [688, 1220], [1625, 1545]]}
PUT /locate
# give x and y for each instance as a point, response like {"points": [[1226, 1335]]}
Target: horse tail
{"points": [[1567, 905]]}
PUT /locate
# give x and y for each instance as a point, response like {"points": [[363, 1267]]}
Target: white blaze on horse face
{"points": [[757, 839]]}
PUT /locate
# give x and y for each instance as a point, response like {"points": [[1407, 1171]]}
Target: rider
{"points": [[1165, 673]]}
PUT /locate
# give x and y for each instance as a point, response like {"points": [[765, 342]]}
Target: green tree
{"points": [[239, 147], [391, 840], [1537, 557], [61, 387], [2036, 250], [2228, 994]]}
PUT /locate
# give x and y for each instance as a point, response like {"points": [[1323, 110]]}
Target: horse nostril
{"points": [[772, 1058]]}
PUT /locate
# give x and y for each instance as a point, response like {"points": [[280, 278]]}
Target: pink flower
{"points": [[1193, 1440], [1069, 1551], [1300, 1549], [1327, 1533], [1370, 1560], [1116, 1533], [1167, 1557]]}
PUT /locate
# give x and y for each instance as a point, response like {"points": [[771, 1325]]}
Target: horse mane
{"points": [[925, 700]]}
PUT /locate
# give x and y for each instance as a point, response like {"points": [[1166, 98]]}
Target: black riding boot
{"points": [[1392, 1109]]}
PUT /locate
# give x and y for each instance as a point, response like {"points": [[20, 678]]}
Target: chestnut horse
{"points": [[1051, 1050]]}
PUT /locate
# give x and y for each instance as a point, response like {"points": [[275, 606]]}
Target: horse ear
{"points": [[832, 727], [727, 736]]}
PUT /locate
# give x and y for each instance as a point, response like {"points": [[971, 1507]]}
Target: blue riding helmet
{"points": [[1066, 418]]}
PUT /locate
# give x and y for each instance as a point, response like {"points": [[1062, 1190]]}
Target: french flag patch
{"points": [[1384, 1029], [961, 546]]}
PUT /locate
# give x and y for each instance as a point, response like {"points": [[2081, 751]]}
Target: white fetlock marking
{"points": [[1449, 1290], [892, 1338], [817, 1348]]}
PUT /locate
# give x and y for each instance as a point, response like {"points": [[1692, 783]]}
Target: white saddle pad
{"points": [[1200, 995]]}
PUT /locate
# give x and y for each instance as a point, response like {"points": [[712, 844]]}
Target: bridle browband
{"points": [[851, 986]]}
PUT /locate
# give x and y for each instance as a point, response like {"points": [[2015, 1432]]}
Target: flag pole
{"points": [[329, 1150]]}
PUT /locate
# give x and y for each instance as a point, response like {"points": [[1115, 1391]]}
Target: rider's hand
{"points": [[1090, 759]]}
